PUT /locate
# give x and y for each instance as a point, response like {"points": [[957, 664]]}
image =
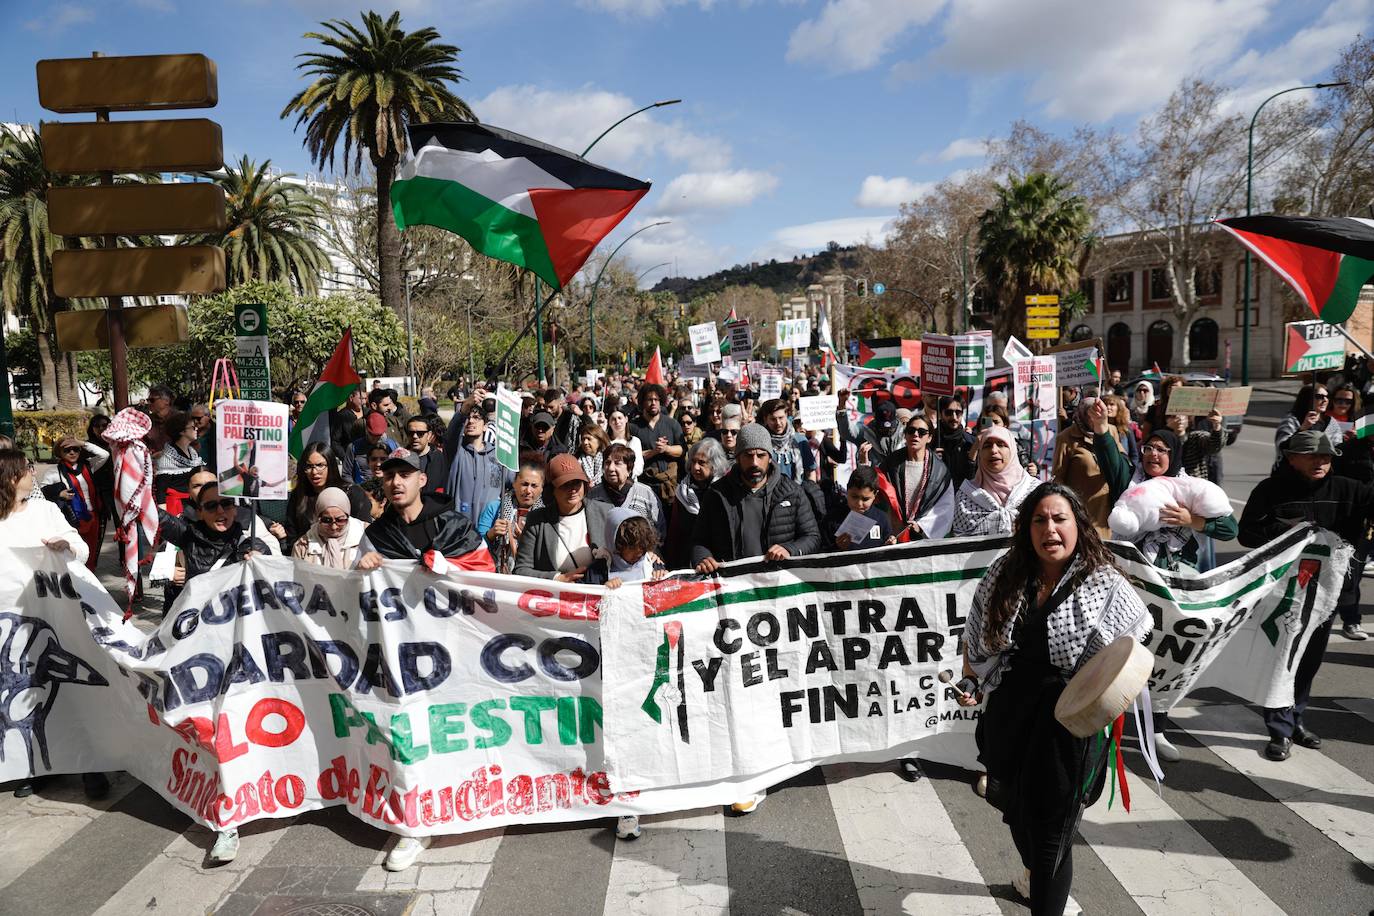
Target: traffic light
{"points": [[861, 286]]}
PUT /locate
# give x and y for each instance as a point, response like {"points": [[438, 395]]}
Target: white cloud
{"points": [[886, 193], [714, 190], [850, 230], [686, 253], [851, 35], [572, 118], [60, 18], [641, 8], [964, 148], [1094, 59]]}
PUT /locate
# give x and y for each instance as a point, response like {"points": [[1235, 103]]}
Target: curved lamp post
{"points": [[1249, 197], [921, 300], [591, 304]]}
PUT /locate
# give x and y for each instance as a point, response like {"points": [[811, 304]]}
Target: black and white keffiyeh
{"points": [[1101, 609], [978, 513]]}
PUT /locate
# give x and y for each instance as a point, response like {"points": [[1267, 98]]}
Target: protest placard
{"points": [[1075, 364], [937, 364], [251, 448], [970, 359], [770, 384], [741, 339], [817, 412], [1197, 401], [794, 333], [1034, 396], [705, 343], [508, 428]]}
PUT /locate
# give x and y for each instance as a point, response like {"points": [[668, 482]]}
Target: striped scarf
{"points": [[133, 489], [507, 511]]}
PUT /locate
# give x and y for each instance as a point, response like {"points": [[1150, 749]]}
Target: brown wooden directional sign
{"points": [[182, 269], [146, 326], [144, 83], [137, 209], [180, 145]]}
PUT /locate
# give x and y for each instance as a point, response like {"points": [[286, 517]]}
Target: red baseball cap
{"points": [[376, 423]]}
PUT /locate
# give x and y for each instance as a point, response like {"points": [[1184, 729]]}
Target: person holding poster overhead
{"points": [[1045, 608]]}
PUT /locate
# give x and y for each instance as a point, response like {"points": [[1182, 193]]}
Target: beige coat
{"points": [[310, 548]]}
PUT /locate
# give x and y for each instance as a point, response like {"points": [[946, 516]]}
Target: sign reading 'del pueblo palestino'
{"points": [[251, 448], [429, 704]]}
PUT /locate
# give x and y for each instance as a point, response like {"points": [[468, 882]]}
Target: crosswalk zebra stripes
{"points": [[1230, 833]]}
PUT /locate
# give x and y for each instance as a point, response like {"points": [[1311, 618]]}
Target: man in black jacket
{"points": [[953, 441], [426, 529], [753, 510], [1302, 490]]}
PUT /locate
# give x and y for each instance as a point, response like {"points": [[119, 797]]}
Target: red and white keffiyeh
{"points": [[133, 491]]}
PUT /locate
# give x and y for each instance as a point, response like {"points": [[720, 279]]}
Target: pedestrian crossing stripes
{"points": [[841, 839]]}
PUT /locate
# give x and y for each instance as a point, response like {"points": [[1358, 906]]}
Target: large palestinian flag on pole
{"points": [[513, 198], [1325, 259]]}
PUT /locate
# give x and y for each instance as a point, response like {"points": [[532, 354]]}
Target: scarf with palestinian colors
{"points": [[133, 493]]}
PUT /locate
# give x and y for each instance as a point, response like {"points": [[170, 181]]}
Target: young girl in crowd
{"points": [[861, 497]]}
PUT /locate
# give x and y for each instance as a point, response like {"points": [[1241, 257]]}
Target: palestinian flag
{"points": [[513, 198], [883, 353], [1364, 426], [337, 381], [1325, 259]]}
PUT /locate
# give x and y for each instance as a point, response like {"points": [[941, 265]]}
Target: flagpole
{"points": [[1358, 346], [539, 309]]}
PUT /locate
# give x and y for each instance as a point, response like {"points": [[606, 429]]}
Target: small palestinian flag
{"points": [[513, 198], [883, 353], [336, 382], [1364, 427], [1325, 259]]}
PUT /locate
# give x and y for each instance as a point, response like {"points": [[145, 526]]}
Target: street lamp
{"points": [[921, 300], [538, 307], [1249, 197], [648, 270], [591, 304]]}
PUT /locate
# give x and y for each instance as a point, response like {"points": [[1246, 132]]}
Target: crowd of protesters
{"points": [[624, 480]]}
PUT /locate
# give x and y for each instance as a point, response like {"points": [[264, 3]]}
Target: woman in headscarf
{"points": [[987, 503], [1076, 468], [1045, 608], [333, 540], [1141, 401], [918, 485], [706, 463]]}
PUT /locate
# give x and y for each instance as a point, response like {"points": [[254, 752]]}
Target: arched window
{"points": [[1159, 344], [1119, 347], [1081, 332], [1202, 340]]}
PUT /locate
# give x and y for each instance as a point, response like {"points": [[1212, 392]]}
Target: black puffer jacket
{"points": [[788, 519], [203, 547]]}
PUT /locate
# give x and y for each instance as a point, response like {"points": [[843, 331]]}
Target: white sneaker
{"points": [[751, 805], [1071, 907], [627, 827], [1166, 750], [405, 852], [226, 847]]}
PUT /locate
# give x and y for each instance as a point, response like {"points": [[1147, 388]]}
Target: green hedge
{"points": [[37, 431]]}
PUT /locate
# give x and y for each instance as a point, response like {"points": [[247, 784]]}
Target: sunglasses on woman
{"points": [[333, 520], [917, 431], [215, 505]]}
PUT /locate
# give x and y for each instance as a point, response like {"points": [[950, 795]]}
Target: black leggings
{"points": [[1039, 842]]}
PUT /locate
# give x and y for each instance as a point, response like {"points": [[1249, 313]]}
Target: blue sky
{"points": [[802, 121]]}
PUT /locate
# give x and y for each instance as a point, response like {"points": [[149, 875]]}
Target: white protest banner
{"points": [[770, 384], [432, 704], [817, 412], [508, 427], [590, 376], [794, 333], [728, 374], [251, 448], [937, 364], [985, 336], [423, 704], [1075, 364], [741, 339], [836, 657], [705, 343], [1034, 396]]}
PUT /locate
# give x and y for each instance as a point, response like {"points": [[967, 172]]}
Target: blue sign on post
{"points": [[879, 289], [854, 348]]}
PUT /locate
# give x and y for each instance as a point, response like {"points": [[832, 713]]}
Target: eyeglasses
{"points": [[334, 520], [215, 505], [917, 431], [1154, 449], [317, 468], [1345, 400]]}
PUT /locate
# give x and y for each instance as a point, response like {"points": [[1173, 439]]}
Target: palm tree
{"points": [[26, 247], [369, 84], [272, 228], [1029, 241]]}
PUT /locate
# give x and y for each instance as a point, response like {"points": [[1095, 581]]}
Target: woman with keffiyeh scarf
{"points": [[918, 485], [503, 520]]}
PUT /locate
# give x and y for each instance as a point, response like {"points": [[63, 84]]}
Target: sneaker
{"points": [[1353, 631], [97, 785], [980, 785], [1307, 739], [226, 847], [1071, 907], [909, 768], [750, 806], [1279, 749], [627, 828], [1166, 749], [405, 852], [24, 789]]}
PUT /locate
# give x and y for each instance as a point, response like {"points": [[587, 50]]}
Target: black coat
{"points": [[1286, 499], [955, 447], [534, 556], [788, 519], [202, 547], [452, 532]]}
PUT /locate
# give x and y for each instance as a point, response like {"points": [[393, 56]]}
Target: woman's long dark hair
{"points": [[1023, 564], [1305, 401], [14, 464], [300, 505]]}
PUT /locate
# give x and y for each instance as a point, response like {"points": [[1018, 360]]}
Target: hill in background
{"points": [[786, 278]]}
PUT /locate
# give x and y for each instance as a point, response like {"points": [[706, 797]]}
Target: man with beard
{"points": [[618, 488], [661, 439], [753, 511], [953, 441], [792, 453], [429, 530]]}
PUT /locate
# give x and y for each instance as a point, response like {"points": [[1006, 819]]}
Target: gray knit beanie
{"points": [[754, 436]]}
